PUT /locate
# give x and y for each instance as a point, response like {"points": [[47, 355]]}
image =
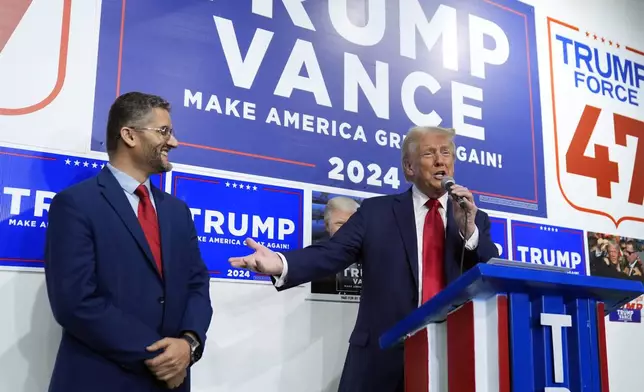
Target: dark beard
{"points": [[155, 161]]}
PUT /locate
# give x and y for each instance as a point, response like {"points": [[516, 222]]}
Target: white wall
{"points": [[260, 340], [304, 342]]}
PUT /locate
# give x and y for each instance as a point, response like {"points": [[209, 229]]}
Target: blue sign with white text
{"points": [[226, 212], [625, 315], [499, 234], [549, 245], [28, 184], [324, 92]]}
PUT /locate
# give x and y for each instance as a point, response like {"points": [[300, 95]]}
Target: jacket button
{"points": [[161, 300]]}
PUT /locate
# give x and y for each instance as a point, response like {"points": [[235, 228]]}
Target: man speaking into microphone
{"points": [[411, 245]]}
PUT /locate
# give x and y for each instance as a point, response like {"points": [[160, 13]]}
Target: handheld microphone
{"points": [[447, 183]]}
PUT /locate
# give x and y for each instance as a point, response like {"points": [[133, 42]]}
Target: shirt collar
{"points": [[128, 183], [420, 198]]}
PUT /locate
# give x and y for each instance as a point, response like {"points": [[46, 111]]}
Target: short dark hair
{"points": [[128, 110]]}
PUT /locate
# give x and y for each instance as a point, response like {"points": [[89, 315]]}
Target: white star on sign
{"points": [[94, 165], [68, 161], [227, 184], [234, 185], [102, 166], [254, 187], [86, 164], [247, 186], [76, 163]]}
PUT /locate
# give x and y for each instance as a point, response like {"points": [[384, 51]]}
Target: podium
{"points": [[509, 326]]}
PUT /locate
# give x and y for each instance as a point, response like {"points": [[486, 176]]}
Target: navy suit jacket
{"points": [[382, 233], [105, 290]]}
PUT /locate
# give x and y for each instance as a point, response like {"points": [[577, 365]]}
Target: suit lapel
{"points": [[451, 223], [452, 233], [452, 237], [405, 218], [165, 224], [113, 193]]}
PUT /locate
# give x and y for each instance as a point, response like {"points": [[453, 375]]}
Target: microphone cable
{"points": [[464, 238]]}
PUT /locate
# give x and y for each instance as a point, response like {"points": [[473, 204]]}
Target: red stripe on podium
{"points": [[601, 344], [504, 344], [460, 349], [417, 363]]}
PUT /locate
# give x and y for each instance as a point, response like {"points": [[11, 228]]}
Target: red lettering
{"points": [[629, 126], [601, 168]]}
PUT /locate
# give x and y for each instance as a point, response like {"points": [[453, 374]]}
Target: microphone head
{"points": [[447, 182]]}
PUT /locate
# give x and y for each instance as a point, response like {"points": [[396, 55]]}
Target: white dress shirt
{"points": [[420, 212], [129, 185]]}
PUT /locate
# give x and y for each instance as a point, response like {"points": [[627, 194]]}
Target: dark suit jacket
{"points": [[106, 293], [382, 233]]}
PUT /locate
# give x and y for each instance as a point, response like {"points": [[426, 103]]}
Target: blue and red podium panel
{"points": [[508, 328]]}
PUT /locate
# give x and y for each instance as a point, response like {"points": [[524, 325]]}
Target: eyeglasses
{"points": [[166, 132]]}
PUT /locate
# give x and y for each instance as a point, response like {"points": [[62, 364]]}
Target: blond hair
{"points": [[410, 144], [339, 203]]}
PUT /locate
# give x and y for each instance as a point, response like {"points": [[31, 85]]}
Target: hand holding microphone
{"points": [[463, 202]]}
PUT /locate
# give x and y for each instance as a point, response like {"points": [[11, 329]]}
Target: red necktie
{"points": [[149, 224], [433, 281]]}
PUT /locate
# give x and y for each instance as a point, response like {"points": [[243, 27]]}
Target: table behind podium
{"points": [[512, 326]]}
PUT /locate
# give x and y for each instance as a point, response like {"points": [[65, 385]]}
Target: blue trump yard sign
{"points": [[499, 235], [549, 245], [28, 182], [226, 212]]}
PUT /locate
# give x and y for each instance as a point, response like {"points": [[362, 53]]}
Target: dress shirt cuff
{"points": [[280, 280], [473, 241]]}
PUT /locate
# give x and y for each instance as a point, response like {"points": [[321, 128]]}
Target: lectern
{"points": [[509, 326]]}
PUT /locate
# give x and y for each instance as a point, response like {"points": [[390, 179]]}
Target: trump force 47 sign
{"points": [[597, 85]]}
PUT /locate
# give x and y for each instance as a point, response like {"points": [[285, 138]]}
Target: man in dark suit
{"points": [[124, 273], [410, 246]]}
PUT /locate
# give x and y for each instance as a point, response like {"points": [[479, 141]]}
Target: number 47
{"points": [[601, 168]]}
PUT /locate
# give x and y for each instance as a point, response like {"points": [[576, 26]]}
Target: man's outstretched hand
{"points": [[263, 261]]}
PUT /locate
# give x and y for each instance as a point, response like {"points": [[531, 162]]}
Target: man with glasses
{"points": [[124, 273]]}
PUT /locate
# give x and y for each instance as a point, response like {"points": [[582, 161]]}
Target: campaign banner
{"points": [[499, 235], [624, 315], [226, 212], [28, 182], [328, 213], [34, 43], [629, 313], [549, 245], [46, 78], [597, 95], [324, 92]]}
